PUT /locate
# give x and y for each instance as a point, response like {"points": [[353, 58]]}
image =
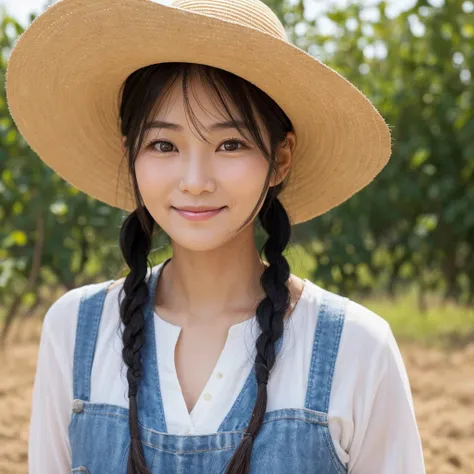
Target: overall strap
{"points": [[150, 403], [88, 319], [325, 348]]}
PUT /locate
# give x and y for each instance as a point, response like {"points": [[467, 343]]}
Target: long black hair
{"points": [[141, 94]]}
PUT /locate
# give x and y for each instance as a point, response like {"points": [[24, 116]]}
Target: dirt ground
{"points": [[442, 384]]}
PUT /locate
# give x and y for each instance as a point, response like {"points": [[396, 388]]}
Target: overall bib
{"points": [[289, 441]]}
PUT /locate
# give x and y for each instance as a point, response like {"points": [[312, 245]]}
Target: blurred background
{"points": [[404, 246]]}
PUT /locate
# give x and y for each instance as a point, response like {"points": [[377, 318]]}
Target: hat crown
{"points": [[250, 13]]}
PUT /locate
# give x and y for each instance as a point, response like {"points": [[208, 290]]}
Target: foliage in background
{"points": [[413, 224]]}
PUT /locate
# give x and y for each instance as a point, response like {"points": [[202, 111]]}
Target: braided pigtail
{"points": [[270, 316], [135, 244]]}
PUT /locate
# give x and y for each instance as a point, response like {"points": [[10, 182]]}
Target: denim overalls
{"points": [[289, 441]]}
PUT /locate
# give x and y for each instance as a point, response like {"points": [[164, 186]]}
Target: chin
{"points": [[200, 240]]}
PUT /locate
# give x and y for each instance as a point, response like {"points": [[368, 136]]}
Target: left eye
{"points": [[234, 141]]}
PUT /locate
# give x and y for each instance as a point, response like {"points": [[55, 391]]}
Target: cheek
{"points": [[250, 168], [152, 179], [245, 180]]}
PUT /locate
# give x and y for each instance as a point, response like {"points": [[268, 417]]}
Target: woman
{"points": [[215, 360]]}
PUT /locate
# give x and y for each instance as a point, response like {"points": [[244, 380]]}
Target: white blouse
{"points": [[371, 414]]}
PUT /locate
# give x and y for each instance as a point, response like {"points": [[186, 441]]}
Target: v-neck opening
{"points": [[156, 272], [170, 364]]}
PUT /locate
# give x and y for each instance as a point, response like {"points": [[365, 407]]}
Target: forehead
{"points": [[200, 97], [196, 105]]}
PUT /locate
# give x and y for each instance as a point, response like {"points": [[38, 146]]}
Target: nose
{"points": [[197, 174]]}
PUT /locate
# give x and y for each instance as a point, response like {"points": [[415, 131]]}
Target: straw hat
{"points": [[65, 72]]}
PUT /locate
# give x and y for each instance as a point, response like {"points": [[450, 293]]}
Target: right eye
{"points": [[167, 148]]}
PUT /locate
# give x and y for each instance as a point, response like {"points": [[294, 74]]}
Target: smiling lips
{"points": [[198, 213]]}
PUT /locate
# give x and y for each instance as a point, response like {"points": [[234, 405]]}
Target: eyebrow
{"points": [[179, 128]]}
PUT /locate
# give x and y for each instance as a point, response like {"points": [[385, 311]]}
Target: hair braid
{"points": [[135, 244], [270, 316]]}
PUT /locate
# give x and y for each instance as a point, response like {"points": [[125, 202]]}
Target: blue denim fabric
{"points": [[289, 441]]}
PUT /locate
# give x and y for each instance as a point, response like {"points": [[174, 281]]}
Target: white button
{"points": [[207, 397], [187, 432], [219, 375]]}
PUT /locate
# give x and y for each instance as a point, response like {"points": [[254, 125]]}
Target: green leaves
{"points": [[419, 157], [50, 233], [422, 202], [17, 237]]}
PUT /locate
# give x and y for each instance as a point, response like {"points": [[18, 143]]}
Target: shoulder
{"points": [[359, 320], [363, 354], [63, 311], [366, 326], [364, 332], [61, 318]]}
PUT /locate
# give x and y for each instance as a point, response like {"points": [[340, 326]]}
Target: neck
{"points": [[222, 283]]}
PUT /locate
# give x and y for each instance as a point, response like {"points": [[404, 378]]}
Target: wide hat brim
{"points": [[65, 72]]}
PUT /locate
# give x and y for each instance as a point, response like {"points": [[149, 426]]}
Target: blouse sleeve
{"points": [[48, 444], [391, 443]]}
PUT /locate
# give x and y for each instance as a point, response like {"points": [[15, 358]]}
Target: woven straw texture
{"points": [[65, 72]]}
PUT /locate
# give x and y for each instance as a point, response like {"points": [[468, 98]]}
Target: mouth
{"points": [[198, 215], [198, 210]]}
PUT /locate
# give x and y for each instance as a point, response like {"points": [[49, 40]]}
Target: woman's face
{"points": [[180, 170]]}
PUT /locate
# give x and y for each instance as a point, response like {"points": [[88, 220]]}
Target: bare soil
{"points": [[442, 382]]}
